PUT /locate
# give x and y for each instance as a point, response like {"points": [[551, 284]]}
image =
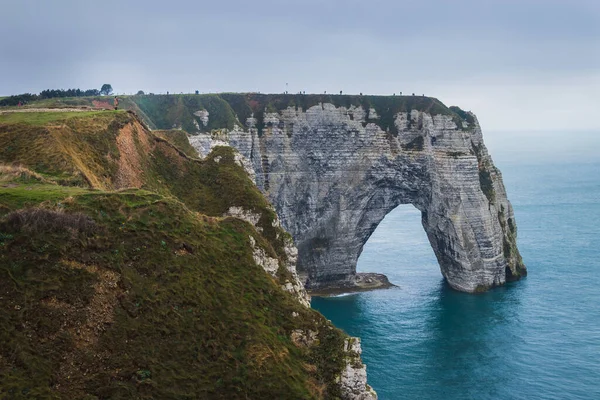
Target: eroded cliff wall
{"points": [[334, 167]]}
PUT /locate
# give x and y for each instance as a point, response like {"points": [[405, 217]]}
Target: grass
{"points": [[63, 102], [218, 187], [27, 195], [177, 111], [207, 324], [162, 299], [80, 148], [44, 118], [87, 150], [178, 139]]}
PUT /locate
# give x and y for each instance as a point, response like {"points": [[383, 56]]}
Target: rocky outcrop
{"points": [[332, 179], [333, 172], [353, 381]]}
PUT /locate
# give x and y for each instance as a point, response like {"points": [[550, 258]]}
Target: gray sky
{"points": [[518, 64]]}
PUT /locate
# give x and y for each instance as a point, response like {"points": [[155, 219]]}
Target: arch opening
{"points": [[400, 249]]}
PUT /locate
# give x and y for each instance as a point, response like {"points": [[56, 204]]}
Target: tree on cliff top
{"points": [[106, 89]]}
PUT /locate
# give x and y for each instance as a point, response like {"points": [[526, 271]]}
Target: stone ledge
{"points": [[363, 282]]}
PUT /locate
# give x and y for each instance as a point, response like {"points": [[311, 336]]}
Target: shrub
{"points": [[36, 220]]}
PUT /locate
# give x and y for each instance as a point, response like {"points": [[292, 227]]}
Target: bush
{"points": [[36, 220]]}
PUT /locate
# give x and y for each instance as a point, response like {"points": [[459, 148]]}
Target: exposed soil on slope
{"points": [[130, 166]]}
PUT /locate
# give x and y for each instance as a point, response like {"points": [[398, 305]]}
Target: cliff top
{"points": [[229, 109]]}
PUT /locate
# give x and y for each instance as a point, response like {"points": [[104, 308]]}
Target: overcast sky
{"points": [[518, 64]]}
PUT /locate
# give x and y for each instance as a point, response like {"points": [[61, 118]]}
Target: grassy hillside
{"points": [[121, 278]]}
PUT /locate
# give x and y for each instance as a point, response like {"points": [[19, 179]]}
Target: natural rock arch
{"points": [[334, 171]]}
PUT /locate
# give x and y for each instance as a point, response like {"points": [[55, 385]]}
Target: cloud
{"points": [[492, 56]]}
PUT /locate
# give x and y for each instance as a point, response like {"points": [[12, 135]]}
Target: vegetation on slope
{"points": [[121, 278], [46, 118], [178, 139]]}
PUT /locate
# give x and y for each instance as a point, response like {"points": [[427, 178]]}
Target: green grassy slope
{"points": [[178, 139], [120, 278]]}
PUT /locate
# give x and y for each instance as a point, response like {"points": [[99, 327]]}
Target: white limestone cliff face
{"points": [[294, 285], [353, 380], [245, 215], [269, 264], [202, 116], [333, 174]]}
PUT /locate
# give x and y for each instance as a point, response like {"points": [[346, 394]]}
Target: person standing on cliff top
{"points": [[116, 102]]}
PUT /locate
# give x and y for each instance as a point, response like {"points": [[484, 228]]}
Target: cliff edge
{"points": [[130, 268]]}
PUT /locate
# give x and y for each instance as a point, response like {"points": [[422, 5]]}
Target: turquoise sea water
{"points": [[534, 339]]}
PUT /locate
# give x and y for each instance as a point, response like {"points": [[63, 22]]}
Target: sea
{"points": [[538, 338]]}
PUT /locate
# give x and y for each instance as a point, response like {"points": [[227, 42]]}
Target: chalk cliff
{"points": [[334, 166]]}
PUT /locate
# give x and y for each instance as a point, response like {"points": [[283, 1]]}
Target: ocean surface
{"points": [[534, 339]]}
